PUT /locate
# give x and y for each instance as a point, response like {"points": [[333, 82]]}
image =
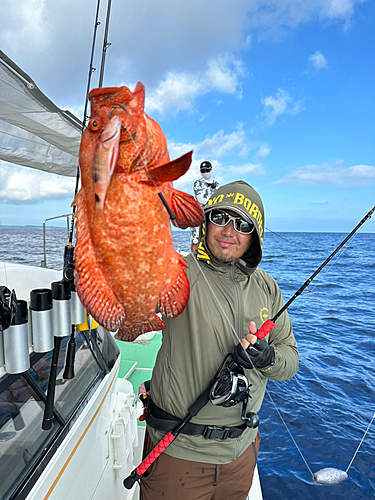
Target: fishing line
{"points": [[255, 370], [364, 435], [320, 476]]}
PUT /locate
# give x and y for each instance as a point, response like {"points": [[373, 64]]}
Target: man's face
{"points": [[225, 243]]}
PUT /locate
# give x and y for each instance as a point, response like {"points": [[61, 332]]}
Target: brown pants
{"points": [[171, 478]]}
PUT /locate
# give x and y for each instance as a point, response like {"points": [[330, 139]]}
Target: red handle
{"points": [[153, 455], [265, 329]]}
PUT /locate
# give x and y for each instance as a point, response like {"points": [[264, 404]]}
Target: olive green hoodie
{"points": [[224, 298]]}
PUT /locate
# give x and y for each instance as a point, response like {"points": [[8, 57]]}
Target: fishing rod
{"points": [[265, 329], [273, 232], [69, 248], [106, 44], [91, 71]]}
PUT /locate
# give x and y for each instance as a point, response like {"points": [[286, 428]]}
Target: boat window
{"points": [[107, 346], [69, 392], [22, 440], [21, 434]]}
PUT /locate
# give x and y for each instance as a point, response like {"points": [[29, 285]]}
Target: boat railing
{"points": [[44, 261]]}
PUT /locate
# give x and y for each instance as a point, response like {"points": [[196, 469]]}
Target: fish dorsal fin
{"points": [[187, 210], [171, 171], [138, 98]]}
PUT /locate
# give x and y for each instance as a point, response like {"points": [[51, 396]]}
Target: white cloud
{"points": [[318, 60], [21, 185], [263, 151], [214, 148], [177, 91], [279, 104], [330, 173], [164, 41]]}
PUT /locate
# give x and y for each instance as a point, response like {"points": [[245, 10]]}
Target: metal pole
{"points": [[105, 43]]}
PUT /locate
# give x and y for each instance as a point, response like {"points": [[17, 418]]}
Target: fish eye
{"points": [[94, 124]]}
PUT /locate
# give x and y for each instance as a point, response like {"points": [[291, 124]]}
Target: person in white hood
{"points": [[203, 187]]}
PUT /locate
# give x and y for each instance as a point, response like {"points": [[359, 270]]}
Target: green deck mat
{"points": [[144, 356]]}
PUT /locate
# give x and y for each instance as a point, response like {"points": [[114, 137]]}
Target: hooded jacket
{"points": [[224, 298]]}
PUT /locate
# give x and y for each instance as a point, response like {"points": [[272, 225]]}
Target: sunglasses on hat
{"points": [[222, 218]]}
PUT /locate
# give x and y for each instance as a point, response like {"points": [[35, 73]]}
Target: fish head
{"points": [[128, 106]]}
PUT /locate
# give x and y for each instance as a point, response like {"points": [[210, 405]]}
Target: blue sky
{"points": [[279, 93]]}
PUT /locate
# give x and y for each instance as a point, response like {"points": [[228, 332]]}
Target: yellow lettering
{"points": [[217, 199], [254, 211], [229, 195], [201, 254], [247, 204], [238, 200]]}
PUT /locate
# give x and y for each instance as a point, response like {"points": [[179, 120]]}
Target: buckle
{"points": [[214, 432]]}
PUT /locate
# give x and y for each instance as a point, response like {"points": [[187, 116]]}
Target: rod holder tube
{"points": [[41, 319], [61, 315], [77, 309], [16, 341]]}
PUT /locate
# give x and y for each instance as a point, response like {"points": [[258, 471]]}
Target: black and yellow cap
{"points": [[240, 197]]}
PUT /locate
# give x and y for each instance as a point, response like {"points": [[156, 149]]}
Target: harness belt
{"points": [[162, 421]]}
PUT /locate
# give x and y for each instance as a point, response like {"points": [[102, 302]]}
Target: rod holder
{"points": [[16, 341], [77, 309], [61, 315], [41, 319]]}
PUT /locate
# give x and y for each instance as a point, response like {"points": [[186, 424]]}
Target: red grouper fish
{"points": [[125, 262]]}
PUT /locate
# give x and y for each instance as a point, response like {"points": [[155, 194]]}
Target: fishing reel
{"points": [[68, 267], [231, 388], [8, 307]]}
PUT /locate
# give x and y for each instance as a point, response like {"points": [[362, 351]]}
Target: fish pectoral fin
{"points": [[175, 295], [187, 210], [129, 332], [169, 171]]}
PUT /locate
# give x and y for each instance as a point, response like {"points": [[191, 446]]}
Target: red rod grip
{"points": [[265, 329], [153, 455]]}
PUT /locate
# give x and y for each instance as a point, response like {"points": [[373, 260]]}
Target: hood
{"points": [[243, 199]]}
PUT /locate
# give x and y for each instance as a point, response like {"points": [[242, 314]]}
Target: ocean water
{"points": [[328, 405]]}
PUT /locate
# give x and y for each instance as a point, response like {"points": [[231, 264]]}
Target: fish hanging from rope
{"points": [[125, 262]]}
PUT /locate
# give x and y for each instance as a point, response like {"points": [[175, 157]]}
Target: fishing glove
{"points": [[258, 355]]}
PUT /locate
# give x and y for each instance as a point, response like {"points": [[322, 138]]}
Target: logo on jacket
{"points": [[264, 314]]}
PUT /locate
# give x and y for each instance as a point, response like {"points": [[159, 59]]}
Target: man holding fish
{"points": [[212, 302], [230, 298]]}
